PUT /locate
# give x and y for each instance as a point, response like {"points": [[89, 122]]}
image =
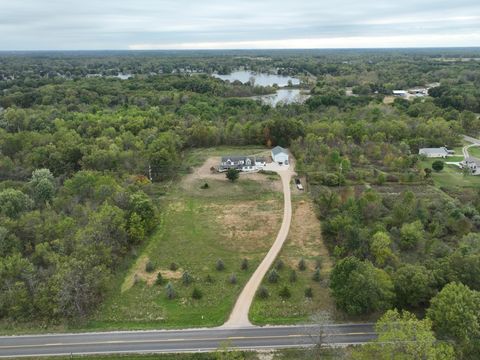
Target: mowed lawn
{"points": [[227, 221], [474, 151], [304, 241], [451, 176]]}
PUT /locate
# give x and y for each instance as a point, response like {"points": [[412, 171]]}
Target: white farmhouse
{"points": [[280, 155], [441, 152], [400, 93]]}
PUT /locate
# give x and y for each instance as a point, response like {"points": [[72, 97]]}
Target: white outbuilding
{"points": [[441, 152], [280, 155]]}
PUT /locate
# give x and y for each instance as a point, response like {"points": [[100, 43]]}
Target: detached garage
{"points": [[280, 155]]}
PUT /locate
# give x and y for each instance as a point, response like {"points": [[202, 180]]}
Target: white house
{"points": [[241, 163], [471, 165], [400, 93], [260, 163], [441, 152], [280, 155]]}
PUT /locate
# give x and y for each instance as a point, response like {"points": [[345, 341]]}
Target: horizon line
{"points": [[245, 49]]}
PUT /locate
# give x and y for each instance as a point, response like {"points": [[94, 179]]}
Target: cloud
{"points": [[162, 24]]}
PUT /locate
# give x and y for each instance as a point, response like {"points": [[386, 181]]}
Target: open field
{"points": [[474, 151], [304, 241], [227, 221], [451, 176]]}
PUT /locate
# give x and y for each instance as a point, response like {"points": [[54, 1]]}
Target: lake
{"points": [[261, 79], [284, 96]]}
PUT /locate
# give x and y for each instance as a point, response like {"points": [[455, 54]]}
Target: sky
{"points": [[236, 24]]}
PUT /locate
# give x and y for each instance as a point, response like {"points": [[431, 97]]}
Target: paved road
{"points": [[239, 315], [163, 341], [474, 142], [471, 139]]}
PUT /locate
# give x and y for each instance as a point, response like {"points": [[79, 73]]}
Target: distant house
{"points": [[441, 152], [280, 155], [400, 93], [418, 91], [241, 163], [471, 165]]}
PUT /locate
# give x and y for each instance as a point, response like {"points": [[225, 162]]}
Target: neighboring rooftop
{"points": [[278, 149], [442, 151]]}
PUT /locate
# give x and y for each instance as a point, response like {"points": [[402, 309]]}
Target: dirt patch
{"points": [[249, 225], [149, 278], [388, 100], [305, 236]]}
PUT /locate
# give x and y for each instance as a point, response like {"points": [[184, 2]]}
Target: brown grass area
{"points": [[305, 237], [148, 277], [388, 100], [249, 225]]}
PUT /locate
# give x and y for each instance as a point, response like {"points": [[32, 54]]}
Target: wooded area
{"points": [[83, 154]]}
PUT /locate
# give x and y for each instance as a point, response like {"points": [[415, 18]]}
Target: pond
{"points": [[284, 96], [261, 79]]}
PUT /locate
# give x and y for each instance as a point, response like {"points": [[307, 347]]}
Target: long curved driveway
{"points": [[239, 315]]}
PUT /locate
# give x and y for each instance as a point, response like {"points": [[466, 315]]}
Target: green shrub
{"points": [[308, 292], [293, 276], [279, 265], [244, 264], [170, 291], [187, 279], [262, 292], [285, 293], [197, 293], [233, 279], [160, 279], [317, 276], [438, 165], [232, 174], [149, 267], [173, 266], [273, 276], [302, 265], [220, 265], [205, 186]]}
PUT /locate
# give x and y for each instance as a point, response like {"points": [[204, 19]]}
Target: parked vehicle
{"points": [[299, 184]]}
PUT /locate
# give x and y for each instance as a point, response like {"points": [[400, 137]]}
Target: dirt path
{"points": [[239, 314]]}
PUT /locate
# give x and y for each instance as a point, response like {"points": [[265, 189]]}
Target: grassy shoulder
{"points": [[227, 221], [283, 354], [304, 241]]}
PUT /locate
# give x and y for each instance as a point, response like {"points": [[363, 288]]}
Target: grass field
{"points": [[304, 241], [451, 176], [474, 151], [227, 221]]}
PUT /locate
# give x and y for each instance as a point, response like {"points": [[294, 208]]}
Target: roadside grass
{"points": [[244, 355], [304, 241], [281, 354], [451, 176], [228, 221]]}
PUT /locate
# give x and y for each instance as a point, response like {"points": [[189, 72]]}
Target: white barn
{"points": [[280, 155], [441, 152]]}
